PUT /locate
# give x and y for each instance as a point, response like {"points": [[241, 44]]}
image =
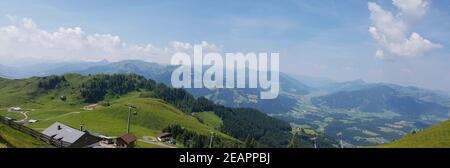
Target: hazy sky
{"points": [[399, 41]]}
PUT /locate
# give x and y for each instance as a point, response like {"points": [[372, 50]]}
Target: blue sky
{"points": [[327, 38]]}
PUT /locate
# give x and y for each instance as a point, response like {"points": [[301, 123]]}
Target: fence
{"points": [[20, 127]]}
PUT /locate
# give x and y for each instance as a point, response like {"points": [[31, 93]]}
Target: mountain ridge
{"points": [[369, 120], [39, 96]]}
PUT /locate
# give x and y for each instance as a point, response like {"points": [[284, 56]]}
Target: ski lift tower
{"points": [[341, 143], [314, 142], [130, 109], [211, 140]]}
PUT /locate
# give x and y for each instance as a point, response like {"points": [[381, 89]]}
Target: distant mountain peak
{"points": [[105, 61]]}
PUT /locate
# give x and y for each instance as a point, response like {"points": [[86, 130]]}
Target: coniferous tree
{"points": [[250, 142]]}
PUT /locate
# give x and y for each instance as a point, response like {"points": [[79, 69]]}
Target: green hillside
{"points": [[434, 137], [11, 138], [158, 107], [153, 116], [46, 106], [209, 118]]}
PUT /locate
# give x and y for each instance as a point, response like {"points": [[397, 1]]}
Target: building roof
{"points": [[164, 135], [65, 133], [15, 109], [128, 138]]}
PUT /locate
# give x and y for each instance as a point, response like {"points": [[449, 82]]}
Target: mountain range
{"points": [[365, 113], [291, 89]]}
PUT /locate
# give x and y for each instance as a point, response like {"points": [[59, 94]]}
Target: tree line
{"points": [[52, 82], [192, 139]]}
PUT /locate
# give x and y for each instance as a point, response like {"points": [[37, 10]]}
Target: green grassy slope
{"points": [[26, 91], [434, 137], [153, 116], [209, 118], [45, 106], [10, 137]]}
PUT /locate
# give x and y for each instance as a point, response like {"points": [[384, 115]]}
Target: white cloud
{"points": [[392, 32], [177, 46], [380, 55], [24, 40], [412, 8]]}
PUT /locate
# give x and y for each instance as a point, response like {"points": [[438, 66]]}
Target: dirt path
{"points": [[25, 119], [152, 140], [62, 115]]}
